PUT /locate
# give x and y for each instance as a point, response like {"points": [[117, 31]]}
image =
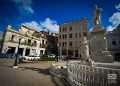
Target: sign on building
{"points": [[112, 78]]}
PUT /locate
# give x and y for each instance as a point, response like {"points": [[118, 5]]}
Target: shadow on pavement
{"points": [[39, 70], [42, 71]]}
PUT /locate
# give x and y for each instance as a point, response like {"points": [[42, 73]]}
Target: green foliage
{"points": [[1, 40], [46, 58]]}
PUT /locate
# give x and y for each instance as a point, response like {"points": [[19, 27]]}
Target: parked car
{"points": [[51, 56], [31, 57]]}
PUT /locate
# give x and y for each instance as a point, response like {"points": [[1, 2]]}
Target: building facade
{"points": [[69, 40], [30, 41], [52, 44], [113, 42]]}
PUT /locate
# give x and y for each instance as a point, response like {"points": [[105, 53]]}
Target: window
{"points": [[35, 43], [29, 42], [12, 38], [59, 44], [70, 53], [41, 52], [70, 43], [119, 41], [60, 29], [65, 35], [40, 45], [75, 35], [79, 34], [70, 35], [84, 34], [64, 29], [42, 41], [70, 29], [59, 36], [76, 53], [63, 44], [114, 43]]}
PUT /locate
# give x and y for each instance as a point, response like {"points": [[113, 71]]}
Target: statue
{"points": [[85, 51], [97, 16]]}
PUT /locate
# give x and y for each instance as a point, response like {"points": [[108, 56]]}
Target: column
{"points": [[24, 50], [30, 53], [67, 48], [43, 52], [74, 52], [39, 52], [60, 53], [16, 50], [4, 49], [79, 53]]}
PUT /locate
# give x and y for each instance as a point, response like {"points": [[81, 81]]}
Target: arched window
{"points": [[70, 29], [12, 37], [114, 43]]}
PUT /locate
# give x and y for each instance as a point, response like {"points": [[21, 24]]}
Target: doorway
{"points": [[27, 53], [11, 50], [20, 51], [117, 57]]}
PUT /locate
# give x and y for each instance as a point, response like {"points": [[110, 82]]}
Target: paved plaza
{"points": [[28, 74]]}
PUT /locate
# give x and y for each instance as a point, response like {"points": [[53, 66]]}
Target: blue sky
{"points": [[51, 13]]}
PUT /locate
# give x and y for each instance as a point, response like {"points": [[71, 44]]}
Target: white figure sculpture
{"points": [[85, 51]]}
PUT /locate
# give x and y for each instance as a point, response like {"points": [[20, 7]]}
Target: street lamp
{"points": [[16, 55]]}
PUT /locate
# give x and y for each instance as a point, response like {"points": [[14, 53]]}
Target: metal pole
{"points": [[16, 55]]}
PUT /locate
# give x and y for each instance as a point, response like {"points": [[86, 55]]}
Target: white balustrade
{"points": [[84, 75]]}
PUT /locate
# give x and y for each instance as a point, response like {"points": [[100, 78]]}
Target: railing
{"points": [[84, 75]]}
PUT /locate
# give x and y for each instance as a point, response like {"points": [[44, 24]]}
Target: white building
{"points": [[31, 41]]}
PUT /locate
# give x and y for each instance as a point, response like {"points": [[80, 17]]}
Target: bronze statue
{"points": [[97, 16]]}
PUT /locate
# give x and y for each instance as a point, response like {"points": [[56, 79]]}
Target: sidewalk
{"points": [[36, 74]]}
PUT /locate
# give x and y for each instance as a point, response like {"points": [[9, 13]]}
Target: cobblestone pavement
{"points": [[28, 74]]}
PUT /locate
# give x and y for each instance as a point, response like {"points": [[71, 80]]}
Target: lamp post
{"points": [[16, 55]]}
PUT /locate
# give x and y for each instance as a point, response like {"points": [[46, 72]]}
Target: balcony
{"points": [[43, 46], [34, 44], [13, 41]]}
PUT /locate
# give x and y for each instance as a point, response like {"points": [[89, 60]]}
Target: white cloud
{"points": [[91, 29], [114, 20], [29, 9], [46, 25], [117, 7], [50, 25], [34, 25], [24, 5], [110, 28]]}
